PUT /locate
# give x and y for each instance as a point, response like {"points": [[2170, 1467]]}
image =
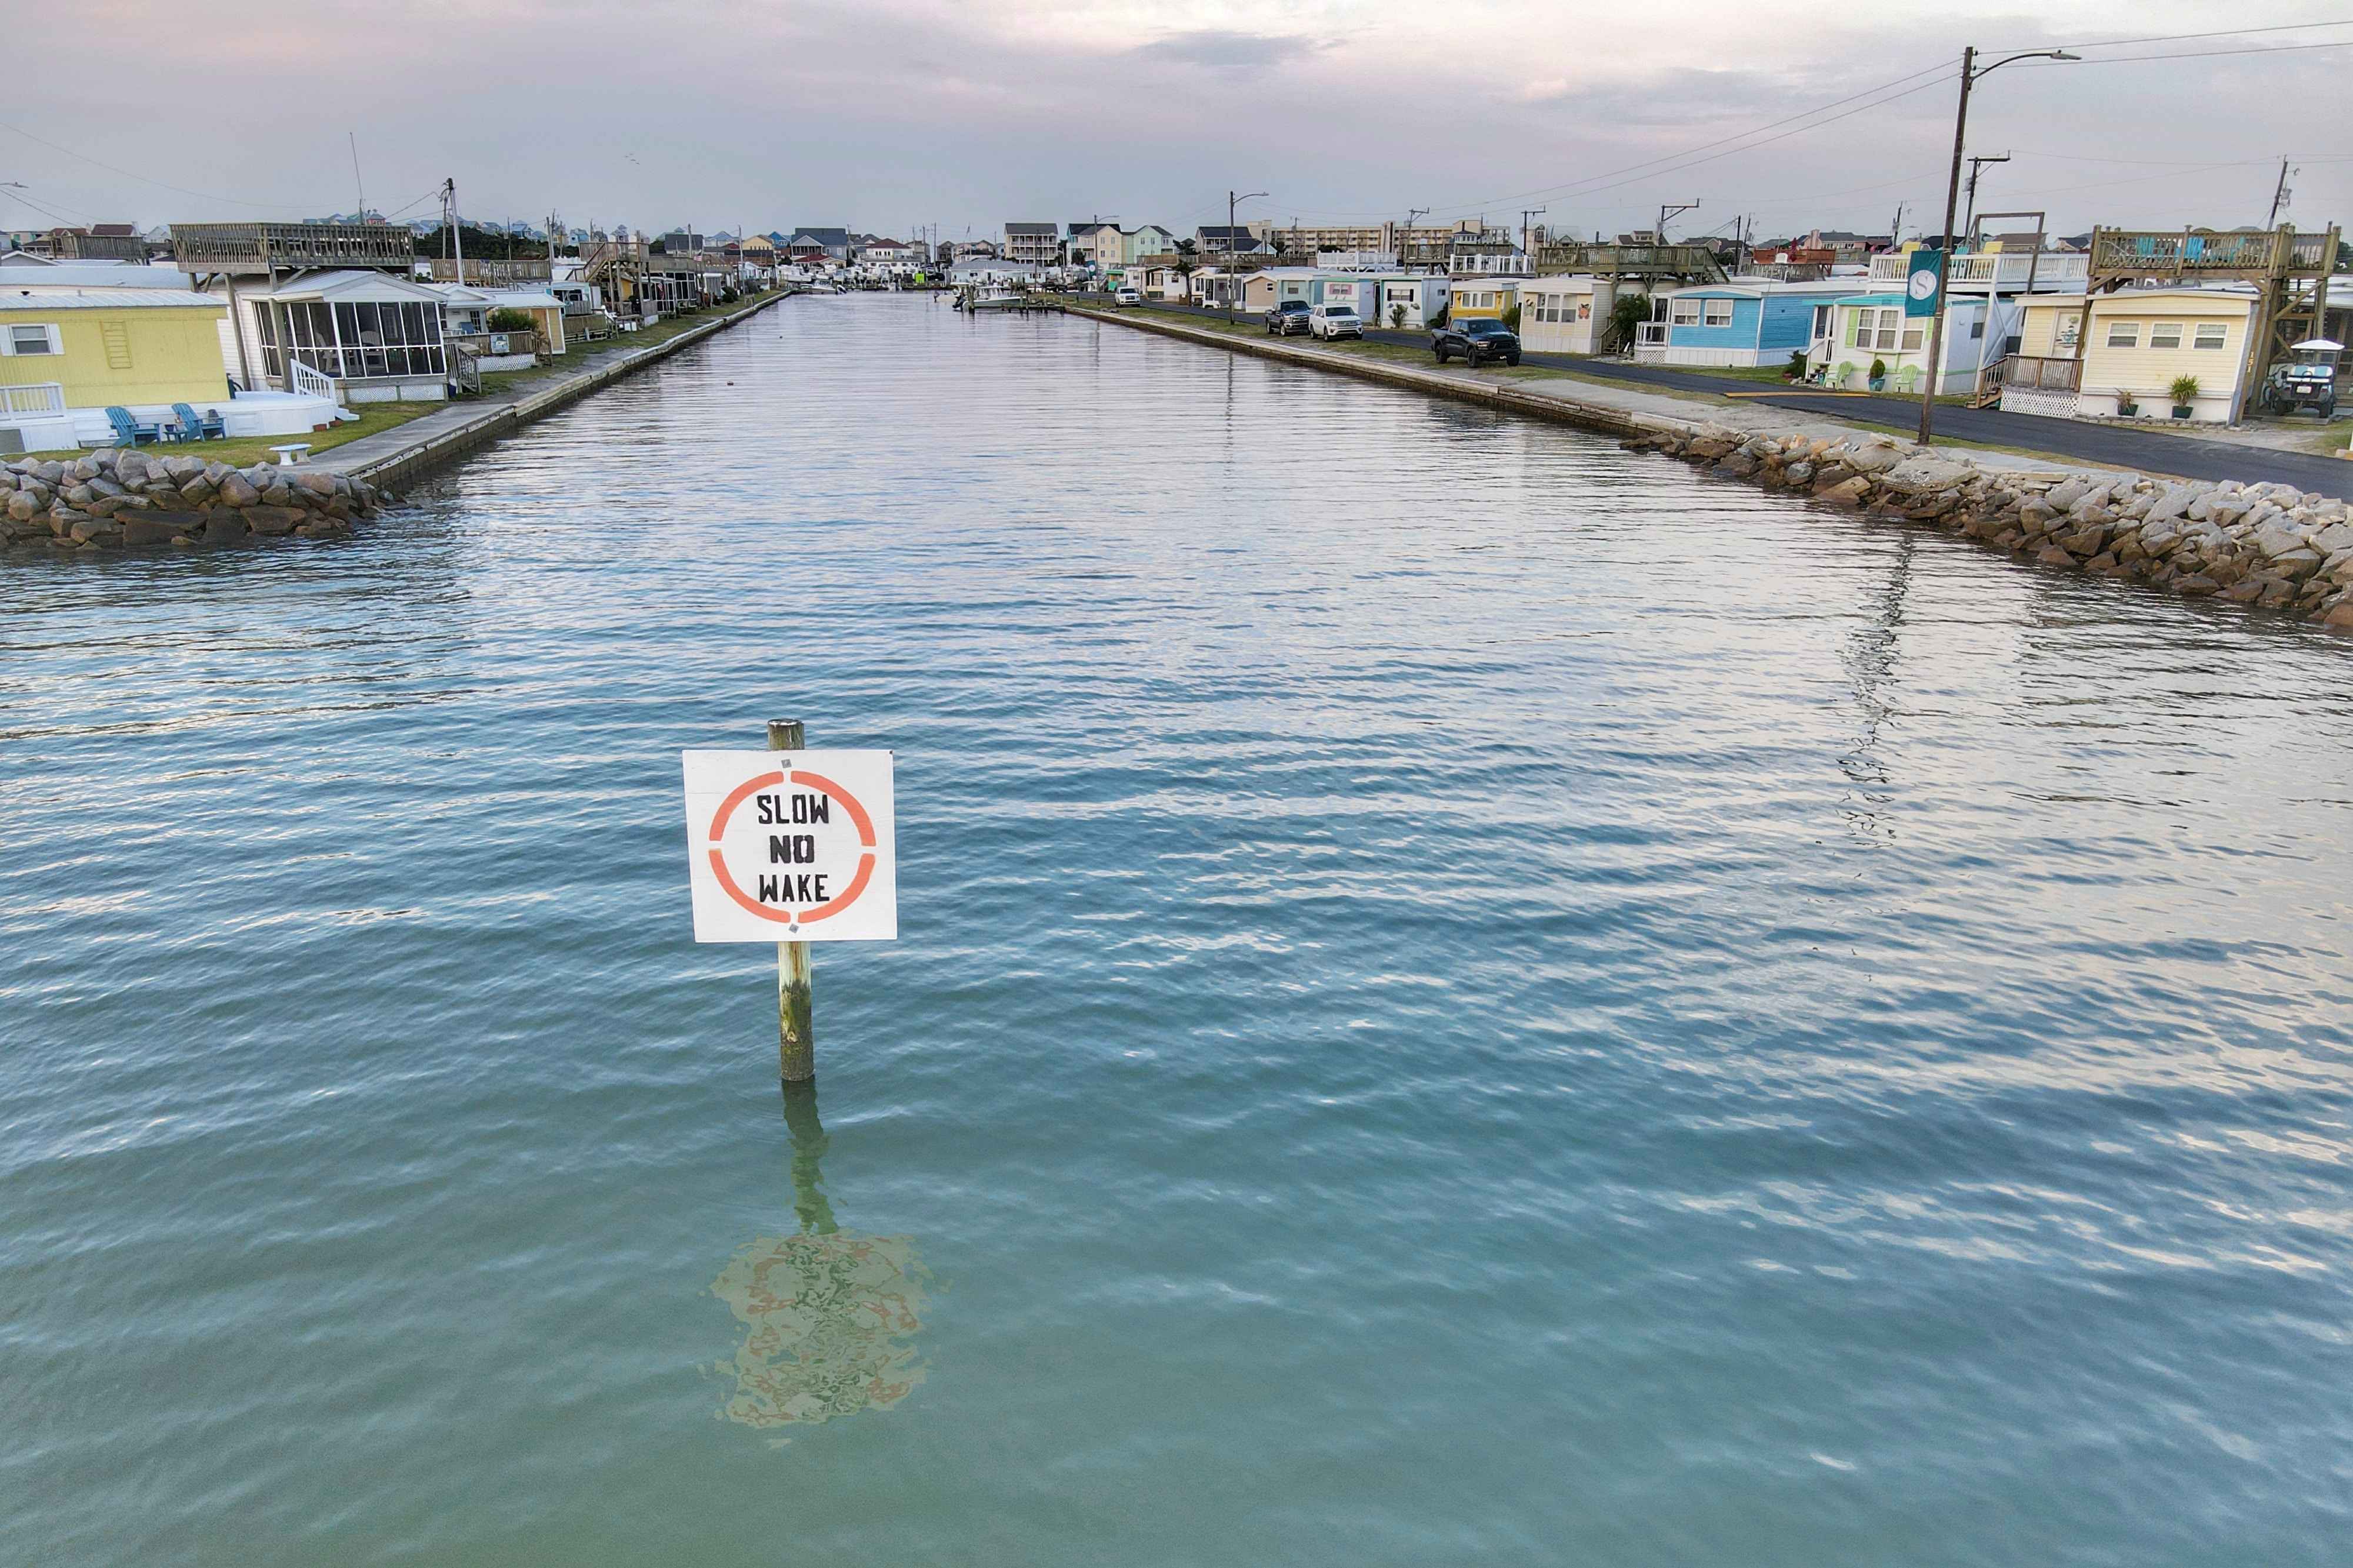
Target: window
{"points": [[35, 339], [2211, 334], [2124, 334], [2165, 335], [1878, 329], [1719, 312], [1683, 312], [1912, 337]]}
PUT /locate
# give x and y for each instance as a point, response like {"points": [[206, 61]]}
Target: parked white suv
{"points": [[1127, 297], [1329, 322]]}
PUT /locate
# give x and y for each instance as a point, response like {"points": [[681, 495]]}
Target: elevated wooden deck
{"points": [[260, 249]]}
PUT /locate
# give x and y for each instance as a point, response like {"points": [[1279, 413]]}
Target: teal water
{"points": [[1463, 998]]}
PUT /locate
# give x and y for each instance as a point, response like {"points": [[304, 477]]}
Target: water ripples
{"points": [[1464, 996]]}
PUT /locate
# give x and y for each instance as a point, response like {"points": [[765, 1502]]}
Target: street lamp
{"points": [[1969, 75], [1232, 201]]}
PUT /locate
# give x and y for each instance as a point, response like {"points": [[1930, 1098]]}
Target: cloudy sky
{"points": [[888, 114]]}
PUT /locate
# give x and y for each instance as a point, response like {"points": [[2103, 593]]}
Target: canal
{"points": [[1463, 998]]}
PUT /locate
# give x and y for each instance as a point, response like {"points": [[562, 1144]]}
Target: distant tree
{"points": [[1512, 316]]}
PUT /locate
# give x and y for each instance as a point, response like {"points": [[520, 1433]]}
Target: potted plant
{"points": [[2185, 392], [1878, 375], [2126, 406]]}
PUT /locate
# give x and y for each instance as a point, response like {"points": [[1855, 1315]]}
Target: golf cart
{"points": [[2308, 380]]}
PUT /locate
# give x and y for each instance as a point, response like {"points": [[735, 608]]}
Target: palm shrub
{"points": [[1626, 318], [2184, 389]]}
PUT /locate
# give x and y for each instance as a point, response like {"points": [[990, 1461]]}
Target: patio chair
{"points": [[129, 432], [1906, 379], [194, 427], [1845, 375]]}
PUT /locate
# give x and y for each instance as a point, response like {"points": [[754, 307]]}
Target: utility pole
{"points": [[1969, 224], [1233, 200], [1969, 75], [1404, 234], [449, 224], [1526, 213], [2279, 197], [354, 137], [1895, 231], [1666, 211]]}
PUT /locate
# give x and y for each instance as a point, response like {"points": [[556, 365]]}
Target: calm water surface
{"points": [[1464, 997]]}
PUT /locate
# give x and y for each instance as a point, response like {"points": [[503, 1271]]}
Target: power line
{"points": [[132, 174], [2192, 55], [1768, 141], [2176, 37], [1945, 72]]}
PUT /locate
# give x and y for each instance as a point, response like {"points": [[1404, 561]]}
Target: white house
{"points": [[376, 336], [1565, 314]]}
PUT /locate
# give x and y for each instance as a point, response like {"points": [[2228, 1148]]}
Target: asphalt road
{"points": [[2182, 456]]}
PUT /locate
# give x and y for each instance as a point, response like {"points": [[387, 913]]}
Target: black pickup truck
{"points": [[1478, 340]]}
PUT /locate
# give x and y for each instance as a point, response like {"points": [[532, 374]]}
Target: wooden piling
{"points": [[795, 1043]]}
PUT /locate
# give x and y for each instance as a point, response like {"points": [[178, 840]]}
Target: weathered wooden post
{"points": [[796, 1046]]}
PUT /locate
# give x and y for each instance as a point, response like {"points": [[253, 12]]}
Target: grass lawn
{"points": [[246, 451]]}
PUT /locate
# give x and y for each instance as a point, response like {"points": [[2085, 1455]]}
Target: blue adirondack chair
{"points": [[194, 427], [129, 432]]}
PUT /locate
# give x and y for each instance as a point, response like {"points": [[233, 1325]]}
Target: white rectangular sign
{"points": [[792, 845]]}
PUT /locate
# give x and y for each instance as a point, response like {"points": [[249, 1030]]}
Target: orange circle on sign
{"points": [[832, 906]]}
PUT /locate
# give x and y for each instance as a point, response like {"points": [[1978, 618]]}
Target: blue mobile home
{"points": [[1747, 321]]}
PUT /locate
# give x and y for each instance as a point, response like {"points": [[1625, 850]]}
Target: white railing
{"points": [[39, 397], [1996, 269], [314, 382]]}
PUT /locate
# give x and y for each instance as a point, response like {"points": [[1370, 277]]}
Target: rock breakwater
{"points": [[124, 498], [2268, 545]]}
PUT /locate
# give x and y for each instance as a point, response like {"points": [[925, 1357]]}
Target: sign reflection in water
{"points": [[829, 1313]]}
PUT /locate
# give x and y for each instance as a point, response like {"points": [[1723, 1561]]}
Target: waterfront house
{"points": [[376, 337], [1265, 289], [1219, 239], [68, 354], [819, 246], [1035, 242], [1979, 332], [2137, 341], [1566, 314], [1413, 300], [1745, 322], [467, 312], [1471, 298]]}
